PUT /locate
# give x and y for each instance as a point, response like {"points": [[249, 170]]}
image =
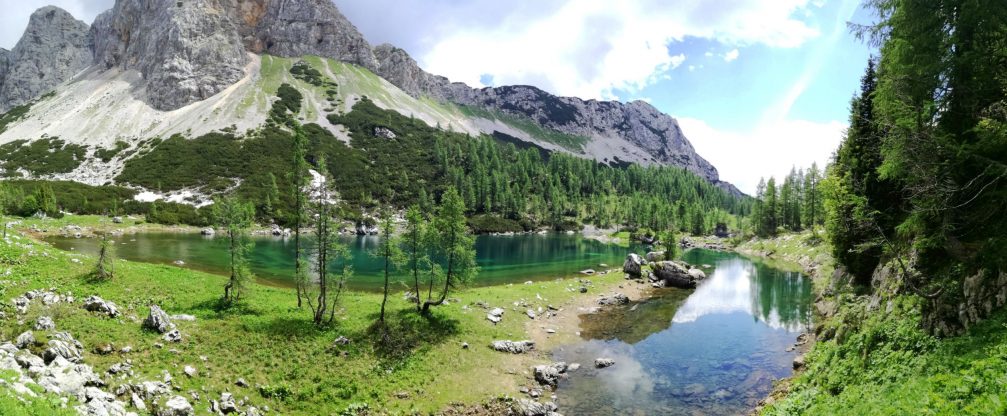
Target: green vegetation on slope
{"points": [[567, 141], [290, 364], [41, 157]]}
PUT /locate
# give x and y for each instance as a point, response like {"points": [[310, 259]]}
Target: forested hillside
{"points": [[912, 322]]}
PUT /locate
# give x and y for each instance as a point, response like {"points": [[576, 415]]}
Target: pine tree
{"points": [[104, 269], [390, 254]]}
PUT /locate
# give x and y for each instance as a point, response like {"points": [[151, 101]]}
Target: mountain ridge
{"points": [[187, 52]]}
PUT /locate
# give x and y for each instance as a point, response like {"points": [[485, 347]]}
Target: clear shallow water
{"points": [[714, 351], [502, 259]]}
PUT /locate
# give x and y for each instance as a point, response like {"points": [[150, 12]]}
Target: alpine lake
{"points": [[713, 350]]}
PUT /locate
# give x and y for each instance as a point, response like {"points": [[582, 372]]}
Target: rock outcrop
{"points": [[54, 48]]}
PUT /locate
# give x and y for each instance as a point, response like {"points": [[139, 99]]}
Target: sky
{"points": [[758, 86]]}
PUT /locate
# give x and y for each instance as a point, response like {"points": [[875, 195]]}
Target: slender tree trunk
{"points": [[447, 276], [384, 300], [416, 272]]}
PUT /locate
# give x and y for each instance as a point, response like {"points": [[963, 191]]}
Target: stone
{"points": [[241, 383], [207, 231], [189, 371], [28, 360], [227, 404], [603, 362], [514, 347], [99, 305], [799, 362], [615, 299], [587, 272], [697, 274], [25, 340], [674, 274], [654, 256], [530, 313], [528, 407], [137, 402], [158, 320], [172, 336], [176, 406], [384, 132], [549, 374], [633, 265], [44, 323], [341, 341], [117, 220], [104, 348], [63, 349]]}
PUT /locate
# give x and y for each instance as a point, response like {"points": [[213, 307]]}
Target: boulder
{"points": [[28, 360], [587, 272], [528, 407], [117, 220], [654, 256], [603, 362], [633, 265], [44, 323], [513, 347], [549, 374], [176, 406], [62, 349], [495, 315], [799, 362], [226, 404], [158, 320], [99, 305], [207, 231], [172, 336], [674, 275], [697, 274], [615, 299], [25, 340]]}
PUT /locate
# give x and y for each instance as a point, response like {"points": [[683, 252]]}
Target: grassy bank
{"points": [[289, 364], [870, 355]]}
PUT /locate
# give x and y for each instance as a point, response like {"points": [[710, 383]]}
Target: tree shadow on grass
{"points": [[223, 308], [405, 331]]}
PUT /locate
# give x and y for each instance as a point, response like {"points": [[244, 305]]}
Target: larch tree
{"points": [[236, 217], [455, 246]]}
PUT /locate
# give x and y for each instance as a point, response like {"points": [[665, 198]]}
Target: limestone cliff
{"points": [[55, 46]]}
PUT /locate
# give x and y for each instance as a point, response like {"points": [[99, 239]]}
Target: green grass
{"points": [[269, 342], [879, 361], [883, 364]]}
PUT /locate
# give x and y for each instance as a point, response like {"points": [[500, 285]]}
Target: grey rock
{"points": [[28, 360], [226, 404], [528, 407], [549, 374], [44, 323], [176, 406], [513, 347], [603, 362], [654, 256], [158, 320], [674, 274], [384, 132], [633, 265], [615, 299], [60, 348], [99, 305], [53, 48], [172, 336], [697, 274], [25, 340]]}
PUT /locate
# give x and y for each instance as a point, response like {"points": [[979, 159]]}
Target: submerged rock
{"points": [[615, 299], [603, 362]]}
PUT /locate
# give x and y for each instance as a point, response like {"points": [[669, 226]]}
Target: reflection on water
{"points": [[715, 350], [502, 259]]}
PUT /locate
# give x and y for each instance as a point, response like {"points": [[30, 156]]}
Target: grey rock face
{"points": [[54, 47], [295, 28], [158, 320], [187, 51], [396, 66]]}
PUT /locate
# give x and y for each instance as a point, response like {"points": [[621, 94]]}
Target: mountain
{"points": [[150, 68]]}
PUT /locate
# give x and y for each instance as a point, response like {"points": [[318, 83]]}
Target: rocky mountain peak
{"points": [[55, 46]]}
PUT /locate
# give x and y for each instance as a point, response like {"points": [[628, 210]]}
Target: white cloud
{"points": [[731, 55], [590, 48], [769, 149], [708, 54]]}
